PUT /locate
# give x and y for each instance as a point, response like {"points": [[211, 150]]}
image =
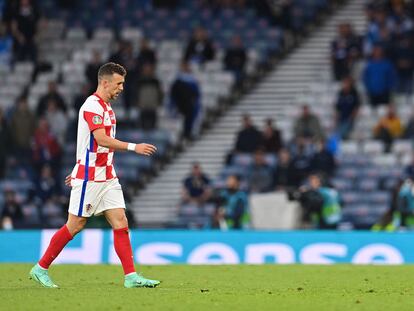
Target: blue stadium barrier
{"points": [[94, 246]]}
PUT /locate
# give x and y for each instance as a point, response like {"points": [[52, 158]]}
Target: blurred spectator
{"points": [[149, 96], [165, 4], [6, 46], [46, 185], [347, 106], [5, 142], [57, 120], [52, 94], [409, 128], [124, 55], [67, 4], [379, 78], [345, 49], [235, 58], [199, 49], [379, 32], [272, 140], [323, 161], [80, 98], [22, 126], [399, 21], [409, 169], [320, 204], [284, 173], [223, 4], [385, 222], [91, 71], [388, 128], [22, 17], [249, 138], [11, 216], [232, 207], [403, 60], [186, 98], [403, 215], [280, 13], [196, 187], [146, 55], [300, 164], [308, 125], [260, 174], [45, 148]]}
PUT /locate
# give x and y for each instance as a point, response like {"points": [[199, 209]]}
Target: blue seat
{"points": [[127, 174], [378, 197], [350, 172], [242, 159], [350, 197], [342, 184], [363, 216], [367, 184]]}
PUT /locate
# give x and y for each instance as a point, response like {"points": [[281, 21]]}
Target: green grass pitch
{"points": [[243, 287]]}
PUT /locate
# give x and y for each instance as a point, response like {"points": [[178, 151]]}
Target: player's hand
{"points": [[68, 180], [145, 149]]}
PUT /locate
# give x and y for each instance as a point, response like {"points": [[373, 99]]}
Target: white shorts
{"points": [[93, 198]]}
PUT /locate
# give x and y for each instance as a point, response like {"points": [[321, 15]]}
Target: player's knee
{"points": [[120, 222], [76, 226]]}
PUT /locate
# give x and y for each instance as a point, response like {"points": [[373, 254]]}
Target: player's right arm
{"points": [[106, 141]]}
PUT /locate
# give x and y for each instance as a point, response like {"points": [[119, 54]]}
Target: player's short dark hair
{"points": [[110, 68]]}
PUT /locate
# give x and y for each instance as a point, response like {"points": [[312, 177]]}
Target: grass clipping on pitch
{"points": [[242, 287]]}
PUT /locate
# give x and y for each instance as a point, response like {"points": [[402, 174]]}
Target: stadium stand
{"points": [[46, 77], [57, 45]]}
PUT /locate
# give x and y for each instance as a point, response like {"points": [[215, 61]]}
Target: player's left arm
{"points": [[106, 141]]}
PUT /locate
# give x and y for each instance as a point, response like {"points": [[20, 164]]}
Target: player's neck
{"points": [[102, 95]]}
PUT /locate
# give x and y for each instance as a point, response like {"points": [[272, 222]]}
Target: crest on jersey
{"points": [[88, 207], [97, 120]]}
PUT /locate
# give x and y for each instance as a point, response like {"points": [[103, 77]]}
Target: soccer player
{"points": [[95, 187]]}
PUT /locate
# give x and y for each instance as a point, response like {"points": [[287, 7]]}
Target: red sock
{"points": [[124, 250], [57, 243]]}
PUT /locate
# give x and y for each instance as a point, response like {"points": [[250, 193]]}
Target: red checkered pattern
{"points": [[94, 163]]}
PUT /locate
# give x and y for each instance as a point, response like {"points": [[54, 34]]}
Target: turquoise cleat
{"points": [[137, 280], [41, 276]]}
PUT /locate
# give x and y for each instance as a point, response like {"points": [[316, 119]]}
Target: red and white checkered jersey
{"points": [[93, 162]]}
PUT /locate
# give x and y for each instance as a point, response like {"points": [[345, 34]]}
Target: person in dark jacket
{"points": [[347, 106], [21, 18], [91, 71], [200, 49], [11, 215], [146, 55], [403, 59], [235, 59], [52, 94], [284, 173], [196, 187], [379, 78], [149, 97], [185, 96], [323, 161], [249, 138], [272, 138], [124, 56], [5, 141], [345, 49]]}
